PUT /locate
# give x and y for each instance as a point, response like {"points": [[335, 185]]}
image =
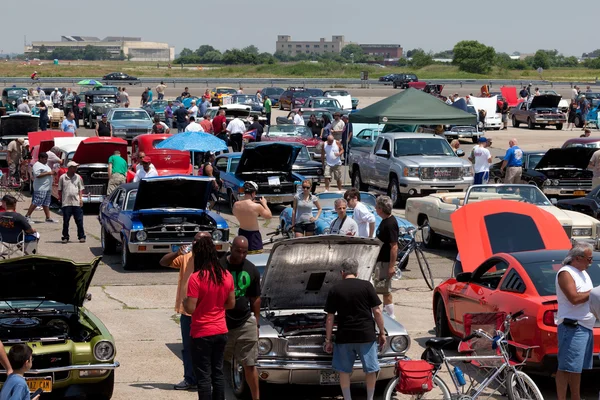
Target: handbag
{"points": [[415, 376]]}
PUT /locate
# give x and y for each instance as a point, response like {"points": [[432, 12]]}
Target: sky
{"points": [[508, 25]]}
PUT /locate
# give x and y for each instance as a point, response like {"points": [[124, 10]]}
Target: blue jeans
{"points": [[161, 96], [208, 363], [77, 213], [186, 353]]}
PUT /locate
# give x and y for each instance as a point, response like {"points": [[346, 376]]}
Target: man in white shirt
{"points": [[361, 215], [298, 120], [236, 129], [337, 126], [482, 159], [193, 111], [331, 153], [141, 156], [56, 97], [342, 225], [124, 97], [193, 126], [145, 171]]}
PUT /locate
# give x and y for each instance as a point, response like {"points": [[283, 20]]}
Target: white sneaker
{"points": [[38, 208], [30, 221]]}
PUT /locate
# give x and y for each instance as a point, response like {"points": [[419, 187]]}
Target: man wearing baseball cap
{"points": [[103, 127], [70, 194], [145, 171]]}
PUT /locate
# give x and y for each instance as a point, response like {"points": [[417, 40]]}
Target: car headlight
{"points": [[217, 235], [411, 172], [141, 236], [399, 344], [104, 350], [582, 232], [547, 182], [402, 230], [467, 171], [264, 346], [555, 182]]}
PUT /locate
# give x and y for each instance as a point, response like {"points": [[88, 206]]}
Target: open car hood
{"points": [[98, 149], [175, 191], [300, 272], [571, 157], [49, 278], [488, 227], [545, 101], [272, 157]]}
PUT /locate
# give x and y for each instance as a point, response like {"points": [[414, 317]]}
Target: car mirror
{"points": [[128, 152], [382, 153], [88, 297], [463, 277], [460, 153]]}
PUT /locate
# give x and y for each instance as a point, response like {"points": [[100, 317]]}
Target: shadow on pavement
{"points": [[175, 349]]}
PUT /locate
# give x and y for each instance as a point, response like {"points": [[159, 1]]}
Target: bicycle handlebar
{"points": [[471, 336]]}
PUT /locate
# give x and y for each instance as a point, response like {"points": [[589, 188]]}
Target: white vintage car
{"points": [[433, 212]]}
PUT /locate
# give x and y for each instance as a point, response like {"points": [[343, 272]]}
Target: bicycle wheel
{"points": [[521, 387], [440, 391], [425, 269]]}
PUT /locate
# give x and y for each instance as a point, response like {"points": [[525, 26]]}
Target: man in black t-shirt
{"points": [[385, 268], [357, 307], [243, 319], [181, 116], [103, 127]]}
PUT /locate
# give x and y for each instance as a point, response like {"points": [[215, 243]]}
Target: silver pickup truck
{"points": [[409, 164]]}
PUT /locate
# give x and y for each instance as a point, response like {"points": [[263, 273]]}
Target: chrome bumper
{"points": [[594, 242], [278, 198], [93, 198], [109, 366], [548, 190], [308, 372], [165, 247], [415, 188]]}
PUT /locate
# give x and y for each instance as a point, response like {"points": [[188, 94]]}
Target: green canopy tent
{"points": [[412, 107]]}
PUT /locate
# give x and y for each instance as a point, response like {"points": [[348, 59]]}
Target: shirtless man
{"points": [[247, 212]]}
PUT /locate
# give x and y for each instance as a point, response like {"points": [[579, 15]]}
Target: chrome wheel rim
{"points": [[124, 254], [102, 243], [394, 193], [426, 232], [238, 373]]}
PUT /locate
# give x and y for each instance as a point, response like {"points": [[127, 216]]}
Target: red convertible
{"points": [[294, 134], [166, 162], [510, 253]]}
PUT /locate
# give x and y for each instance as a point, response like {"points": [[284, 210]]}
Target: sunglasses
{"points": [[305, 187], [588, 258]]}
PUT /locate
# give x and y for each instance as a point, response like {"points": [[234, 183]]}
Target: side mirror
{"points": [[128, 152], [382, 153], [460, 153], [464, 277]]}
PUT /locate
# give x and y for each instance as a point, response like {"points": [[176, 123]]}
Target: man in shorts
{"points": [[247, 212], [117, 171], [42, 187], [387, 232], [357, 307], [243, 319], [513, 162], [331, 154]]}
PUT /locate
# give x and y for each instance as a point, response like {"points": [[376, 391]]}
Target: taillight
{"points": [[549, 318]]}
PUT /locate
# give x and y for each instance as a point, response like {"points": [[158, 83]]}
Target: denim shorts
{"points": [[345, 354], [575, 348]]}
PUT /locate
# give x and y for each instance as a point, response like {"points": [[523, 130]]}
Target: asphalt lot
{"points": [[137, 306]]}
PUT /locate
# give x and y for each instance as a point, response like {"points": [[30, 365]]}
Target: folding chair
{"points": [[9, 247], [8, 186]]}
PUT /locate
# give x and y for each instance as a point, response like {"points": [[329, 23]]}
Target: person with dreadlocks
{"points": [[210, 292]]}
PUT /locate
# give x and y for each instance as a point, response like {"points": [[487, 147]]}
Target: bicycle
{"points": [[518, 384], [413, 246]]}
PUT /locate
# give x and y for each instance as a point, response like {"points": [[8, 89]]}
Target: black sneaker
{"points": [[64, 240], [183, 385]]}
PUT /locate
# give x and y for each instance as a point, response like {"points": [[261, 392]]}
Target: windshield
{"points": [[244, 99], [327, 200], [422, 147], [131, 200], [289, 130], [225, 91], [337, 93], [273, 91], [17, 92], [326, 104], [533, 161], [543, 275], [304, 155], [31, 304], [104, 99], [128, 115], [525, 193], [590, 145]]}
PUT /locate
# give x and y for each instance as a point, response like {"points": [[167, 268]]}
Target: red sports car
{"points": [[510, 254]]}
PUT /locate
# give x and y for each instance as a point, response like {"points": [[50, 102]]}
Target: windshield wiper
{"points": [[413, 154]]}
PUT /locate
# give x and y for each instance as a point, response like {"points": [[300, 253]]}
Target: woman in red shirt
{"points": [[210, 292]]}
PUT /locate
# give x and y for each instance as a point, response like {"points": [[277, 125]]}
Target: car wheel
{"points": [[475, 140], [85, 124], [530, 124], [240, 388], [559, 127], [431, 240], [357, 181], [543, 126], [91, 123], [109, 244], [515, 123], [394, 192], [395, 86], [102, 390], [441, 320], [232, 200], [577, 122], [128, 260]]}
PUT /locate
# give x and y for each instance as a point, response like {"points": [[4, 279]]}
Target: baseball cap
{"points": [[103, 115], [72, 164], [21, 140], [482, 139], [345, 116], [147, 160], [250, 187]]}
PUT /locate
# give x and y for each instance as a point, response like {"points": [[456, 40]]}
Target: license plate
{"points": [[579, 193], [329, 378], [552, 122], [40, 383]]}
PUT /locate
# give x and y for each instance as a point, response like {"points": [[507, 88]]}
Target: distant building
{"points": [[383, 50], [286, 45], [131, 47]]}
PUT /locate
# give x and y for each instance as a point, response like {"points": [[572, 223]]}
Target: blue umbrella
{"points": [[193, 141]]}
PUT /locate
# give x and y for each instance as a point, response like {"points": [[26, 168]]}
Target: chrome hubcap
{"points": [[238, 373], [426, 232]]}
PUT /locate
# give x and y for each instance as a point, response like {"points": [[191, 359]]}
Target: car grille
{"points": [[582, 184], [305, 345], [441, 173], [53, 360], [94, 189], [568, 230], [167, 233], [551, 116], [137, 130]]}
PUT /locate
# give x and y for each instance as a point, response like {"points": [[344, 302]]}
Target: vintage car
{"points": [[248, 100], [273, 93], [304, 165], [166, 161], [97, 102], [342, 96], [292, 323], [222, 93], [433, 212], [542, 111], [294, 134], [241, 111], [589, 205], [330, 104], [529, 175], [590, 142], [11, 97], [157, 107], [563, 104], [42, 307], [158, 215], [293, 98], [92, 155], [127, 123], [510, 254], [270, 166], [120, 76]]}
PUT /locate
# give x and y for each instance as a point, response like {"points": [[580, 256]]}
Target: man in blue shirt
{"points": [[513, 162], [69, 125], [204, 106]]}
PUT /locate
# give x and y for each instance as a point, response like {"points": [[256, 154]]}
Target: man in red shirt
{"points": [[210, 292], [207, 124], [220, 125]]}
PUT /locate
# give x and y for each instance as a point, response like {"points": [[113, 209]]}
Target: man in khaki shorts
{"points": [[331, 154], [513, 162]]}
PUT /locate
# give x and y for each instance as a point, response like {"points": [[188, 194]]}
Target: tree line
{"points": [[89, 53]]}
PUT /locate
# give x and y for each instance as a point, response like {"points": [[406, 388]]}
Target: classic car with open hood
{"points": [[166, 161], [295, 134], [433, 212], [541, 112], [42, 306], [271, 167], [158, 215], [295, 284], [564, 172], [92, 156]]}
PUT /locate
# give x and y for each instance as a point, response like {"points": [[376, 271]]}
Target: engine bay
{"points": [[298, 323], [42, 327]]}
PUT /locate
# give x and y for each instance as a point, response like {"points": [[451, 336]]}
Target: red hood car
{"points": [[294, 134], [510, 253], [166, 162]]}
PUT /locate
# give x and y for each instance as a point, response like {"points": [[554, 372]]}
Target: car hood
{"points": [[279, 157], [49, 278], [571, 218], [481, 230], [98, 149], [571, 157], [300, 272], [545, 101], [175, 191]]}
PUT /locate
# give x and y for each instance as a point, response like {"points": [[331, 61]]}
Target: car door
{"points": [[222, 164], [112, 210], [368, 173], [522, 112], [382, 165]]}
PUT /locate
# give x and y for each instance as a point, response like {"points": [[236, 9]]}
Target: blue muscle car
{"points": [[158, 215]]}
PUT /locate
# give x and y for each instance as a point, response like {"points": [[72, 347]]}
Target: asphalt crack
{"points": [[123, 304]]}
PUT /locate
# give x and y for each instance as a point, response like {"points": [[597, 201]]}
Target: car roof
{"points": [[413, 135], [590, 139], [128, 109], [528, 257]]}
